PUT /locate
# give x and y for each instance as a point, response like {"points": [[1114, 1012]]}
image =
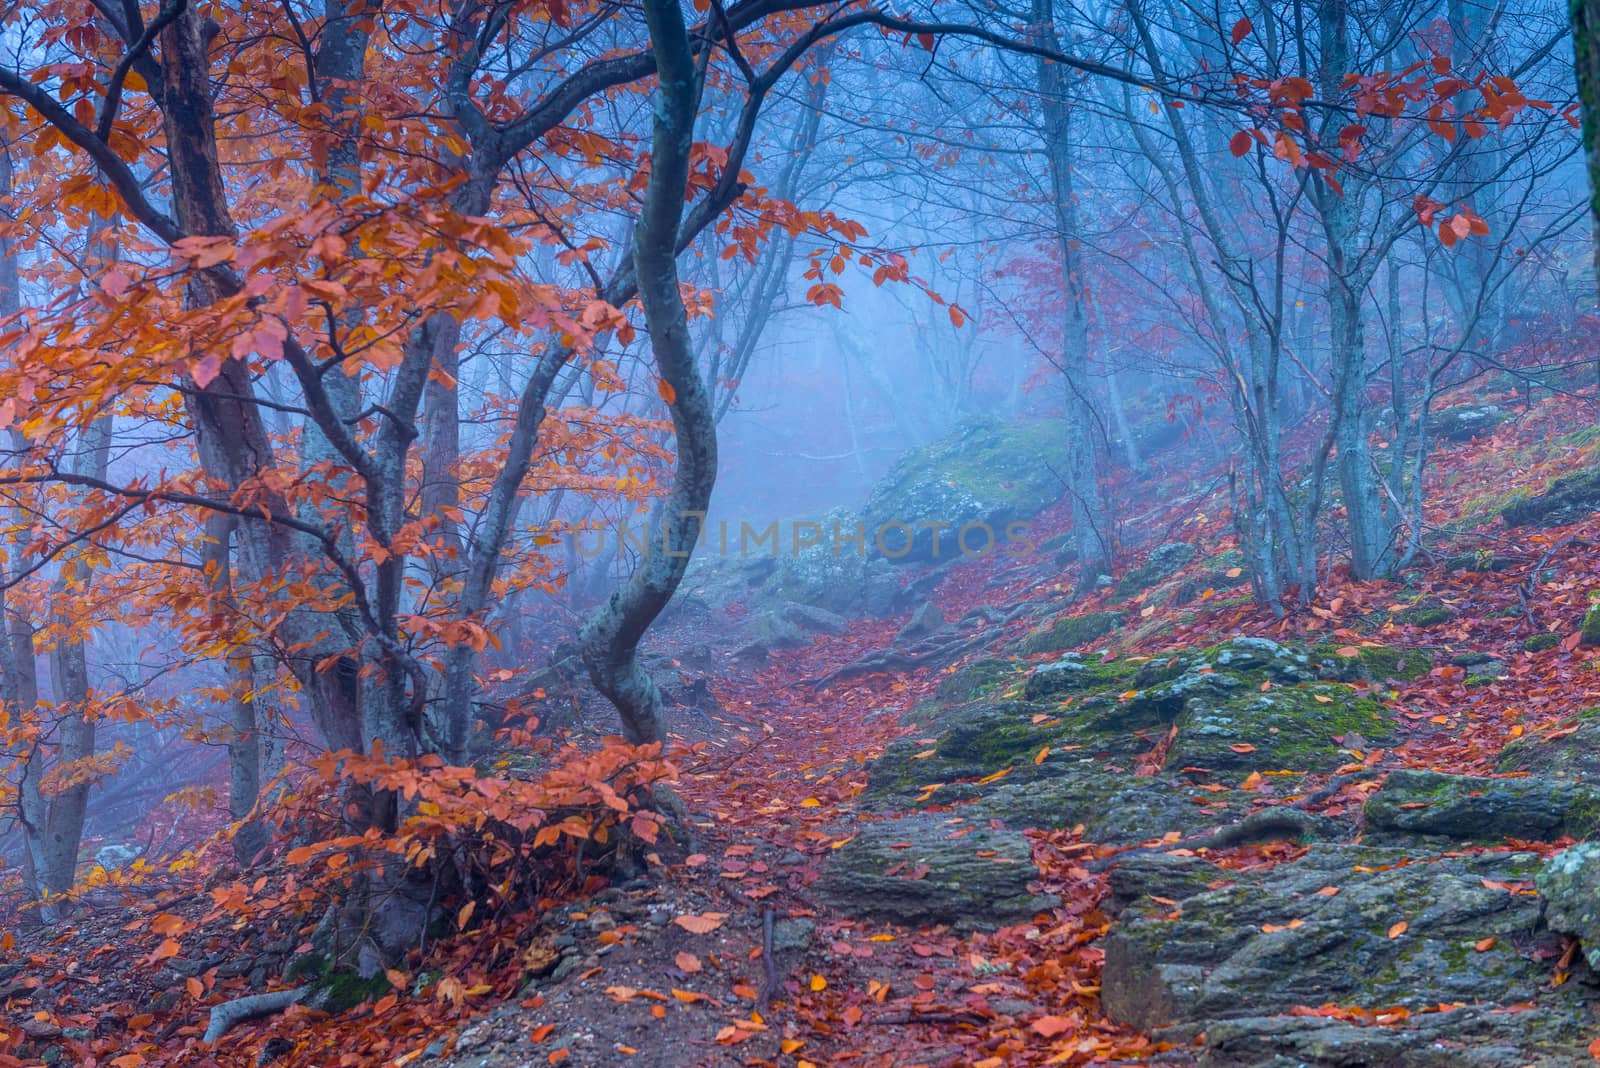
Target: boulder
{"points": [[1569, 749], [1481, 809], [927, 870], [1067, 631], [1466, 1037], [811, 618], [1031, 757], [1223, 944], [1429, 612], [1163, 562], [1569, 499], [1464, 422], [776, 632], [981, 478], [1569, 884]]}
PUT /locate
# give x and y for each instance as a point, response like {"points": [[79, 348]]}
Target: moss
{"points": [[1540, 642], [1164, 562], [1567, 500], [1590, 634], [1386, 662], [1429, 613], [343, 990], [1067, 632], [979, 679], [990, 473], [1375, 663]]}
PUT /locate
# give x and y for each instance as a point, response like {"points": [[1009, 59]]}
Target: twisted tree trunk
{"points": [[610, 639]]}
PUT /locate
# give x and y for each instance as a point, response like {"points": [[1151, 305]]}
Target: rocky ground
{"points": [[952, 813]]}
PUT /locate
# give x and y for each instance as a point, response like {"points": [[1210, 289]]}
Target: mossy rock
{"points": [[1541, 642], [1481, 809], [916, 871], [1569, 884], [1111, 805], [985, 473], [1426, 613], [1483, 560], [979, 679], [1243, 705], [1568, 499], [1589, 634], [1571, 751], [1226, 572], [833, 572], [1073, 674], [1376, 663], [1299, 728], [1068, 631], [1221, 945], [1164, 562], [1464, 422]]}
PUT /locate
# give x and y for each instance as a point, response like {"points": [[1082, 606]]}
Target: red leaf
{"points": [[1240, 143], [1241, 30]]}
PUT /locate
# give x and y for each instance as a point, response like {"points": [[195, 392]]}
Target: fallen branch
{"points": [[230, 1014]]}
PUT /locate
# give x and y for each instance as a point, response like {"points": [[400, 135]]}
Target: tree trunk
{"points": [[610, 638], [1586, 55], [1371, 530], [1090, 526]]}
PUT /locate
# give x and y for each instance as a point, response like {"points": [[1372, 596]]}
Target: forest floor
{"points": [[721, 956]]}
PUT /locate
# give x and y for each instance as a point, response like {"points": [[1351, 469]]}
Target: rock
{"points": [[1541, 642], [978, 679], [1067, 631], [753, 654], [1050, 764], [1569, 499], [924, 621], [1482, 560], [793, 936], [115, 856], [1113, 807], [921, 871], [1464, 422], [1286, 729], [1240, 944], [1482, 809], [812, 618], [1430, 612], [1163, 562], [1569, 750], [1481, 668], [1467, 1037], [775, 632], [956, 496], [1589, 633], [1569, 884], [39, 1030]]}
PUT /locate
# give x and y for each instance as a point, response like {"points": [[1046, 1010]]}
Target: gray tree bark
{"points": [[610, 638], [1091, 530]]}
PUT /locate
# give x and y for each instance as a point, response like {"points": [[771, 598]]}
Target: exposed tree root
{"points": [[230, 1014]]}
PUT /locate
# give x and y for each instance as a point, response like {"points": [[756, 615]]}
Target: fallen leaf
{"points": [[1398, 929], [687, 962], [700, 924]]}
